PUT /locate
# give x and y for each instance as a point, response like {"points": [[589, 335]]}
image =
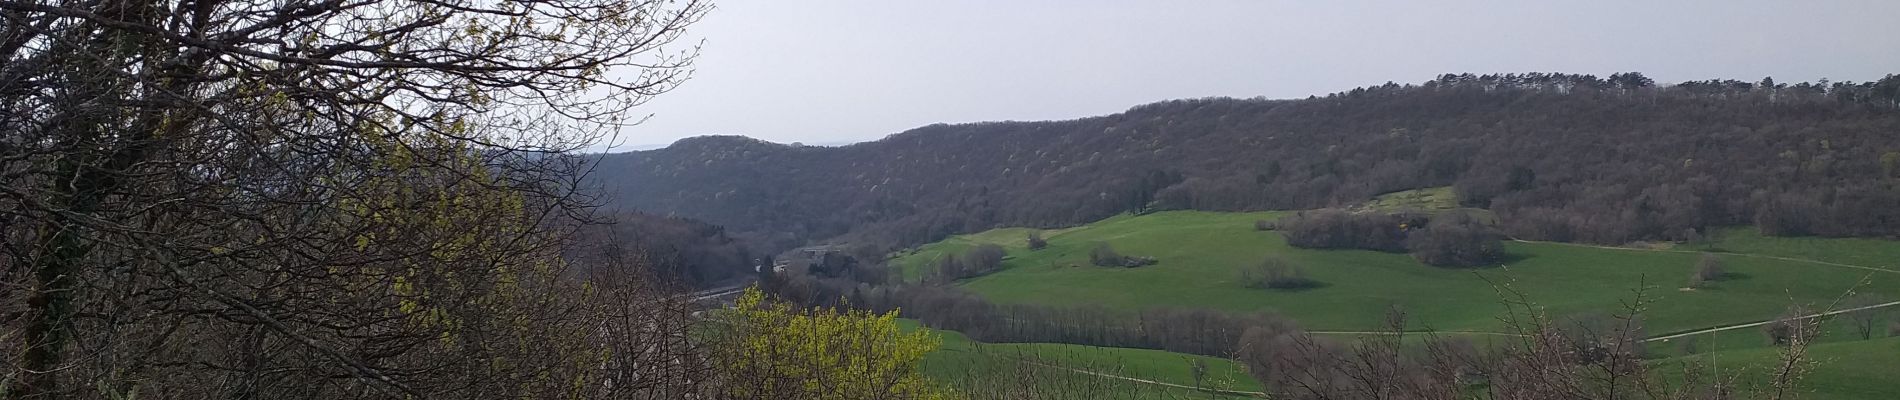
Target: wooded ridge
{"points": [[1557, 156]]}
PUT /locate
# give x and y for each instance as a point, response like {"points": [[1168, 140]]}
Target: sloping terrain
{"points": [[1200, 255], [1558, 157]]}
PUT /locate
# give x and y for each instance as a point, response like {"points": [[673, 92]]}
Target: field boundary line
{"points": [[1760, 323]]}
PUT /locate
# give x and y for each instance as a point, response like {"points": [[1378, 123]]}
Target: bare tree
{"points": [[1709, 268], [1104, 255], [1791, 327], [985, 258], [323, 199], [1865, 313], [1036, 242], [1198, 369]]}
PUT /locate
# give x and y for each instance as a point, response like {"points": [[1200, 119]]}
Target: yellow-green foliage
{"points": [[774, 351], [1427, 199]]}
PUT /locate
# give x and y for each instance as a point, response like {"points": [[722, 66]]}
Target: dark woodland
{"points": [[1558, 157]]}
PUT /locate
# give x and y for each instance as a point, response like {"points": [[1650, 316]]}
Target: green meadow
{"points": [[1201, 256], [958, 356], [1843, 370]]}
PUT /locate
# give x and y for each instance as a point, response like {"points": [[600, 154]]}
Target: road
{"points": [[717, 292]]}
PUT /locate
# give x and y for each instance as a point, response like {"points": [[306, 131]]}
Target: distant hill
{"points": [[656, 146], [1557, 156]]}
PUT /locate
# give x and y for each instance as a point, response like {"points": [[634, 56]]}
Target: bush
{"points": [[1790, 328], [982, 260], [1105, 256], [1036, 242], [985, 259], [1708, 269], [1263, 225], [751, 353], [1337, 229], [1277, 273], [1456, 240]]}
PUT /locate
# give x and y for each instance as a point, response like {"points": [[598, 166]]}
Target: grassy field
{"points": [[1860, 369], [1201, 254], [959, 356], [1846, 369], [1877, 253]]}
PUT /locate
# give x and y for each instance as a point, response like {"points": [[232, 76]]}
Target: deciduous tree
{"points": [[209, 199], [768, 349]]}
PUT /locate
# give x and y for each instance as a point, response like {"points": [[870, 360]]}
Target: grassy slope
{"points": [[1860, 369], [959, 355], [1201, 254], [1843, 370], [1877, 253]]}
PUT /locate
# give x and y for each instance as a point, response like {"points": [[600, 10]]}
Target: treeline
{"points": [[1450, 239], [1867, 210], [1557, 156], [981, 260], [1338, 229]]}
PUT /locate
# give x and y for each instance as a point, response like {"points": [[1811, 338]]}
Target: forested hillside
{"points": [[688, 251], [1557, 156]]}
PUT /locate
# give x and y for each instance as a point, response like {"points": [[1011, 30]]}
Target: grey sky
{"points": [[840, 71]]}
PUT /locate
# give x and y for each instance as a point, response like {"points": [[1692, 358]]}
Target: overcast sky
{"points": [[846, 71]]}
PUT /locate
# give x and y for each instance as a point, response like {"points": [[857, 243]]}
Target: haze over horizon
{"points": [[831, 72]]}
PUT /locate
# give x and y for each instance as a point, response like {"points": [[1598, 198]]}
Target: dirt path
{"points": [[1760, 323], [1751, 255]]}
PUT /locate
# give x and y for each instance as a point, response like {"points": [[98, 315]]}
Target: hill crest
{"points": [[1569, 157]]}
